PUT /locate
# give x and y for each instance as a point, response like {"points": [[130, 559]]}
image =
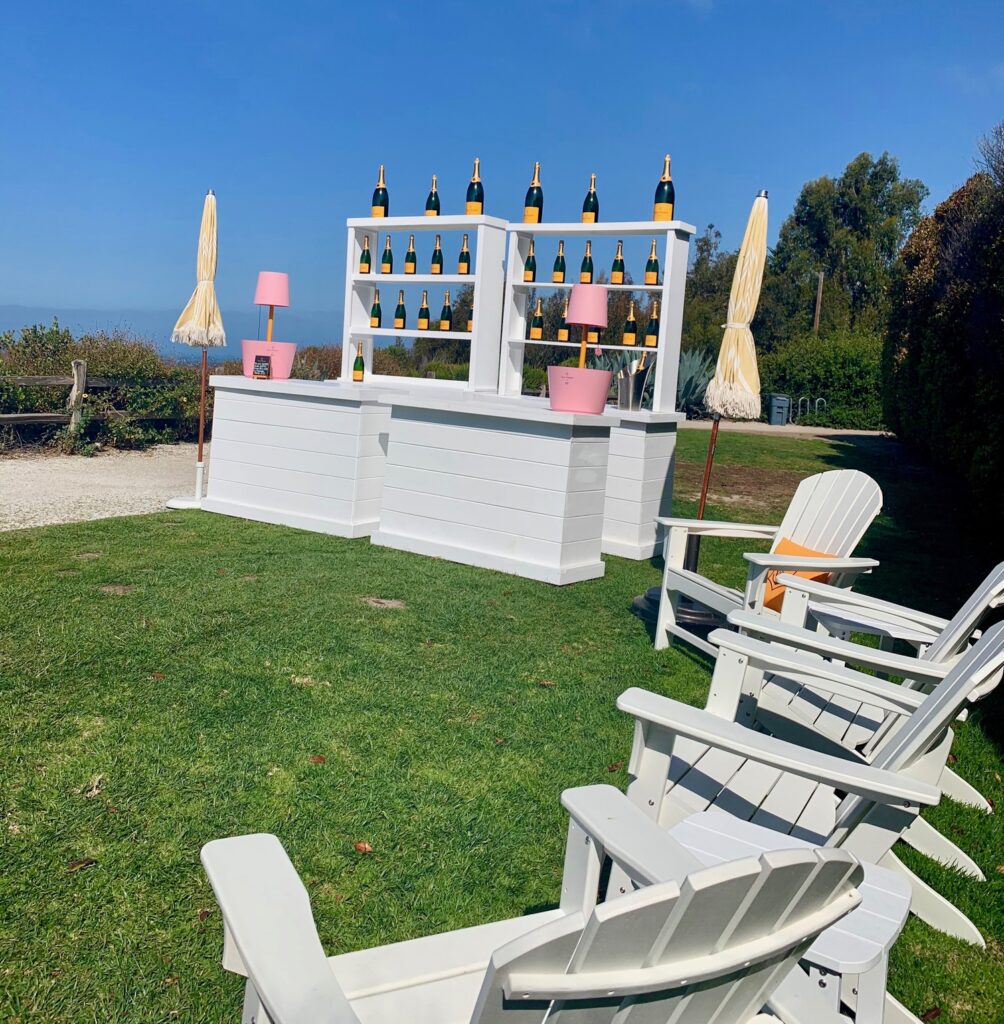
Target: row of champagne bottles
{"points": [[629, 335], [663, 206], [411, 257], [424, 322], [617, 271]]}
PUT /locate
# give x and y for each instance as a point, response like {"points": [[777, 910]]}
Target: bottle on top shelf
{"points": [[665, 195], [423, 312], [376, 313], [530, 266], [400, 316], [652, 331], [358, 366], [563, 323], [464, 259], [558, 273], [411, 257], [381, 201], [446, 316], [365, 259], [475, 192], [432, 203], [533, 204], [537, 321], [436, 265], [630, 327], [652, 266], [591, 204], [617, 268], [387, 259], [586, 270]]}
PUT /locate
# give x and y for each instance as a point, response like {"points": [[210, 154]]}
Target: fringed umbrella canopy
{"points": [[201, 323], [734, 391]]}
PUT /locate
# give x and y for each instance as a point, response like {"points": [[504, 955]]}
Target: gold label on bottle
{"points": [[385, 268], [463, 268], [475, 209], [585, 278], [364, 268], [423, 323], [531, 215], [663, 211], [357, 376], [398, 322], [630, 339], [593, 337], [374, 321], [651, 277], [588, 217], [445, 325], [527, 275], [377, 211], [558, 277], [436, 268], [562, 334], [651, 340], [409, 268], [470, 326], [616, 276], [536, 333]]}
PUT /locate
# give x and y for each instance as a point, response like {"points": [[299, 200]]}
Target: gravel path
{"points": [[39, 489]]}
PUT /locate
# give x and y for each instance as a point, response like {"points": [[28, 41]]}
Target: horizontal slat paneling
{"points": [[287, 480], [252, 495], [637, 445], [294, 439], [291, 413]]}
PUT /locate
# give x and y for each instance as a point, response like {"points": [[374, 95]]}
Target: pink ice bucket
{"points": [[281, 354], [575, 390]]}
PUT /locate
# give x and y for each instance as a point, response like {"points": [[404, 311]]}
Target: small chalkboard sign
{"points": [[262, 368]]}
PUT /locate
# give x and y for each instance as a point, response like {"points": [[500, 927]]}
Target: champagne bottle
{"points": [[381, 201], [558, 273], [563, 323], [475, 192], [436, 266], [432, 203], [470, 320], [630, 327], [387, 259], [586, 270], [358, 367], [400, 316], [617, 269], [652, 266], [537, 322], [376, 313], [665, 195], [446, 317], [591, 204], [464, 259], [423, 312], [533, 204], [652, 331], [365, 259], [530, 266], [411, 257]]}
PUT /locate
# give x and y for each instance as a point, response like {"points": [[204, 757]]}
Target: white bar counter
{"points": [[308, 454], [501, 484]]}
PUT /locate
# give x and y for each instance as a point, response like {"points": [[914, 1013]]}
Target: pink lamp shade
{"points": [[587, 305], [272, 290]]}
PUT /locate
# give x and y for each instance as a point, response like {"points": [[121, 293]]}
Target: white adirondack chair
{"points": [[712, 947], [828, 513], [686, 761]]}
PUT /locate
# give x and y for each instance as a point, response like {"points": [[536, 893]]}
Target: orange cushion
{"points": [[773, 592]]}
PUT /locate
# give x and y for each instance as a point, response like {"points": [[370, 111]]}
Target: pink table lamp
{"points": [[272, 291], [581, 390], [275, 358]]}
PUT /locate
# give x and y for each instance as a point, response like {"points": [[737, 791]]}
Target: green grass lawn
{"points": [[174, 678]]}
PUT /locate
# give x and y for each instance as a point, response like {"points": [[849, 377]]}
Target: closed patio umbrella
{"points": [[201, 325]]}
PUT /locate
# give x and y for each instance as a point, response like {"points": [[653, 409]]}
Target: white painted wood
{"points": [[609, 228]]}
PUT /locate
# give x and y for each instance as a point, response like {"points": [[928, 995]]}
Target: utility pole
{"points": [[819, 303]]}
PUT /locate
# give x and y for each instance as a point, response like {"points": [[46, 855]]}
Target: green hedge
{"points": [[844, 368]]}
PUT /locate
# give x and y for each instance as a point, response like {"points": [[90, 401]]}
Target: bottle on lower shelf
{"points": [[617, 268], [586, 269], [537, 321], [423, 312], [359, 365], [446, 316], [652, 266], [464, 259], [376, 313], [563, 323], [530, 266], [630, 336], [436, 263], [652, 330], [558, 272], [387, 259], [365, 259], [411, 257], [400, 315]]}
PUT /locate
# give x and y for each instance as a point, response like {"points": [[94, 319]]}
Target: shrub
{"points": [[843, 368]]}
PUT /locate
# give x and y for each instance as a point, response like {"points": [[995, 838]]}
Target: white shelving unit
{"points": [[673, 238], [487, 241]]}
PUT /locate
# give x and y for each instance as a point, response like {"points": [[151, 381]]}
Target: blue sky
{"points": [[118, 116]]}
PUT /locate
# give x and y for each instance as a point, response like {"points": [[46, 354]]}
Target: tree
{"points": [[709, 281]]}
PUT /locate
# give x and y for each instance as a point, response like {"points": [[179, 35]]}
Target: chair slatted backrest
{"points": [[711, 948], [830, 512], [954, 637]]}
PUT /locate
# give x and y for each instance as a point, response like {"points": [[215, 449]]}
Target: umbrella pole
{"points": [[694, 543], [200, 465]]}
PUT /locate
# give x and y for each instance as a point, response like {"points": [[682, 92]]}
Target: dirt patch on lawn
{"points": [[766, 491]]}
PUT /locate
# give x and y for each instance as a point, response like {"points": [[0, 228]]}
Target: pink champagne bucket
{"points": [[575, 390], [281, 353]]}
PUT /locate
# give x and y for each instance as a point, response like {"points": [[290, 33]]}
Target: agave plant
{"points": [[695, 373]]}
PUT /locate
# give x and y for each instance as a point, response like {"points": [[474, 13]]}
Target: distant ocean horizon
{"points": [[155, 326]]}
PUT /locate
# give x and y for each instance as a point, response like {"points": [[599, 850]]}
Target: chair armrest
{"points": [[718, 528], [865, 780], [810, 563], [825, 593], [633, 840], [269, 926], [826, 646]]}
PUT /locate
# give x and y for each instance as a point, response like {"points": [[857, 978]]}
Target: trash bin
{"points": [[778, 410]]}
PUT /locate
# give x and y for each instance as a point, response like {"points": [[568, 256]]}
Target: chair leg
{"points": [[897, 1013], [926, 839], [932, 908], [666, 617], [958, 789], [868, 992]]}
